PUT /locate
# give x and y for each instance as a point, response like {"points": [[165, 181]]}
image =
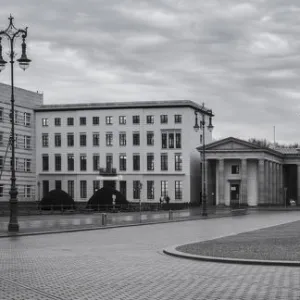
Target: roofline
{"points": [[123, 105]]}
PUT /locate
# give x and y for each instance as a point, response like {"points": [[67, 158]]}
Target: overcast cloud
{"points": [[241, 58]]}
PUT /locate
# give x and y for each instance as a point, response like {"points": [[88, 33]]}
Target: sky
{"points": [[242, 59]]}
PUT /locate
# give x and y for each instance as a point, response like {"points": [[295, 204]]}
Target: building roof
{"points": [[288, 150], [124, 105]]}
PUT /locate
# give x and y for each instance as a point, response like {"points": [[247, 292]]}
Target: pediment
{"points": [[231, 144]]}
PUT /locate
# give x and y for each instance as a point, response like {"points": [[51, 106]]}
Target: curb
{"points": [[173, 252]]}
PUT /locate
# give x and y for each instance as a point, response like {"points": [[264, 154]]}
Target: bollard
{"points": [[104, 219], [170, 215]]}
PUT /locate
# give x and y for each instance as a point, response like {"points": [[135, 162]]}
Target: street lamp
{"points": [[12, 33], [202, 112]]}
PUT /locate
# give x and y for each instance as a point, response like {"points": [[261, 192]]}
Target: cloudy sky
{"points": [[241, 58]]}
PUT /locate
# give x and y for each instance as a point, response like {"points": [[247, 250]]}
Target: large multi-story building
{"points": [[25, 157], [144, 150]]}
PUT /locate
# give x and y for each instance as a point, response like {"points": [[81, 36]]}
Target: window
{"points": [[178, 189], [136, 189], [201, 139], [45, 140], [16, 117], [178, 140], [82, 139], [71, 188], [136, 162], [57, 121], [150, 189], [27, 119], [168, 142], [57, 159], [1, 190], [1, 162], [27, 165], [83, 189], [96, 139], [96, 162], [57, 140], [150, 161], [171, 140], [27, 142], [164, 188], [45, 160], [150, 138], [235, 169], [1, 114], [136, 139], [45, 187], [150, 119], [163, 119], [58, 184], [27, 191], [108, 120], [122, 139], [70, 162], [109, 139], [122, 120], [164, 144], [123, 159], [135, 119], [70, 139], [1, 138], [123, 189], [96, 121], [82, 121], [178, 162], [96, 185], [45, 122], [70, 121], [177, 119], [164, 162], [109, 161], [82, 162]]}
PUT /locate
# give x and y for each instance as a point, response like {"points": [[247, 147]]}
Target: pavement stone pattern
{"points": [[280, 242], [128, 263]]}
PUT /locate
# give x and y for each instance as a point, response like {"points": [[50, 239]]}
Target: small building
{"points": [[241, 172]]}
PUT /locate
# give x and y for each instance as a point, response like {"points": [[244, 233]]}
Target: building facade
{"points": [[25, 103], [244, 173], [144, 150]]}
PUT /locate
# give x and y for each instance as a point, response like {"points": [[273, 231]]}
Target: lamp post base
{"points": [[13, 227]]}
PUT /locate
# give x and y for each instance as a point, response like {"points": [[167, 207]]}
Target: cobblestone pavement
{"points": [[128, 263]]}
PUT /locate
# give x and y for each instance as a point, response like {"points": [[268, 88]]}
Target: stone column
{"points": [[281, 191], [244, 182], [221, 186], [273, 183], [298, 184], [266, 182], [261, 181], [270, 183], [277, 184]]}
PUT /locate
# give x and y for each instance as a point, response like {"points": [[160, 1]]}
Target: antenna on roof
{"points": [[274, 137]]}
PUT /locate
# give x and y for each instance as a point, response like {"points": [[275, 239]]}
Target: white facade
{"points": [[25, 103], [81, 183]]}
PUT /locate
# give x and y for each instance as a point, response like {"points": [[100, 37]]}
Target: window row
{"points": [[20, 118], [21, 141], [109, 120], [136, 188], [25, 191], [169, 140], [21, 164], [136, 162]]}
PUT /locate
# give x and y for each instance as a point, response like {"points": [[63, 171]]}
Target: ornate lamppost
{"points": [[12, 33], [202, 112]]}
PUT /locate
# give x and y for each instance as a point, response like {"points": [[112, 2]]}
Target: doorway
{"points": [[234, 194], [110, 184]]}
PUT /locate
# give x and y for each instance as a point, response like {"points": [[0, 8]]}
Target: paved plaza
{"points": [[128, 263]]}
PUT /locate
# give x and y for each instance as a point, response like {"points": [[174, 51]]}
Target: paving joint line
{"points": [[32, 289]]}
